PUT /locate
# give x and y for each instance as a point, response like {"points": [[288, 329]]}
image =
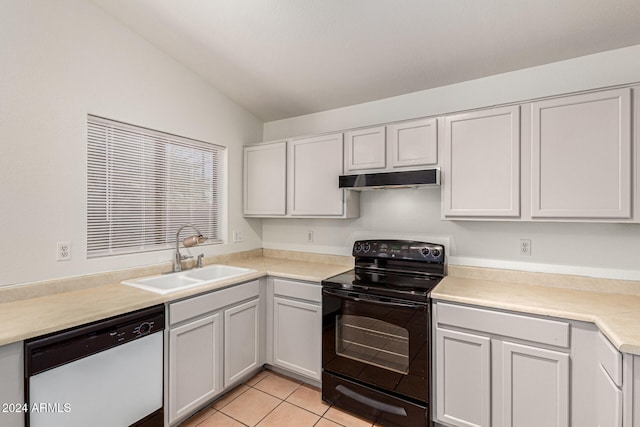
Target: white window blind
{"points": [[144, 184]]}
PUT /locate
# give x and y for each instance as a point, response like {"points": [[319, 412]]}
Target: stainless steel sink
{"points": [[174, 282]]}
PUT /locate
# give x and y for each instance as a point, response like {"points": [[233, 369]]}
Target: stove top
{"points": [[396, 268]]}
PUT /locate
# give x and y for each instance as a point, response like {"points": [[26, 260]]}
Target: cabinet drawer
{"points": [[527, 328], [301, 290], [610, 359], [196, 306]]}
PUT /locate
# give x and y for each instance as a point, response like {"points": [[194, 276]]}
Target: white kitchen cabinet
{"points": [[581, 156], [314, 165], [395, 147], [214, 340], [295, 341], [635, 392], [195, 365], [297, 178], [608, 373], [609, 400], [495, 368], [413, 143], [11, 384], [463, 378], [481, 164], [365, 149], [535, 385], [265, 183], [241, 341], [630, 391]]}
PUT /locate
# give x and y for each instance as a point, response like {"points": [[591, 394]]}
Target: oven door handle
{"points": [[386, 407], [392, 302]]}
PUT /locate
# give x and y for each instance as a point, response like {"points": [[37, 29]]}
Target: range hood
{"points": [[373, 181]]}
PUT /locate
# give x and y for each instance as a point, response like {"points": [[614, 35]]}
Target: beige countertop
{"points": [[29, 315], [614, 306]]}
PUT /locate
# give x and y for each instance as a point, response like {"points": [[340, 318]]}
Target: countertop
{"points": [[39, 315], [614, 306]]}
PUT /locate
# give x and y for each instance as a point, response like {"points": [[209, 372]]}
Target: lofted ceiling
{"points": [[285, 58]]}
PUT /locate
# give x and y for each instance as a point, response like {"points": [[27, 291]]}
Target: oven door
{"points": [[379, 342]]}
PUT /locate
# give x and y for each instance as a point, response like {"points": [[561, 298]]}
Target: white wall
{"points": [[60, 61], [601, 250]]}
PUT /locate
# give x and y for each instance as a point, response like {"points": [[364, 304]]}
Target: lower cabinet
{"points": [[488, 372], [296, 346], [195, 365], [502, 369], [214, 341], [296, 318], [463, 378], [535, 386], [241, 341], [633, 392], [12, 384]]}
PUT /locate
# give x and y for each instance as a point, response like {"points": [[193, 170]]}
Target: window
{"points": [[143, 185]]}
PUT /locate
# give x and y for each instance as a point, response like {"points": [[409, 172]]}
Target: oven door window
{"points": [[373, 341]]}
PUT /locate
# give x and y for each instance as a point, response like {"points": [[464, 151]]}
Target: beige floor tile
{"points": [[288, 415], [198, 417], [278, 386], [229, 397], [309, 398], [326, 423], [251, 406], [346, 419], [220, 420], [258, 377]]}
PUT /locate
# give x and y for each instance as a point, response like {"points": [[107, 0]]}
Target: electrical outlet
{"points": [[310, 236], [64, 251], [525, 247], [238, 236]]}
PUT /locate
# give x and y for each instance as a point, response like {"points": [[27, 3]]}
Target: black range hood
{"points": [[371, 181]]}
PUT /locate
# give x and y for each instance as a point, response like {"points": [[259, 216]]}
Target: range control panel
{"points": [[399, 249]]}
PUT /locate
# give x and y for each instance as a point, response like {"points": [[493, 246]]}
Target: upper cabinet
{"points": [[481, 164], [581, 156], [560, 159], [566, 158], [297, 178], [413, 143], [314, 165], [405, 145], [265, 183], [365, 149]]}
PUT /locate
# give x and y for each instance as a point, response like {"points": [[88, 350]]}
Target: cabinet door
{"points": [[11, 383], [241, 341], [365, 149], [608, 400], [314, 165], [463, 372], [481, 164], [581, 156], [195, 365], [535, 383], [265, 171], [413, 143], [634, 389], [297, 336]]}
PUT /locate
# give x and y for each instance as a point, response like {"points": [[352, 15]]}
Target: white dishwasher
{"points": [[107, 373]]}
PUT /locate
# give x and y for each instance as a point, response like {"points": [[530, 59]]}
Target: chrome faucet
{"points": [[188, 242]]}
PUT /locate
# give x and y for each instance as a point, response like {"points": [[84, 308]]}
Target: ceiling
{"points": [[285, 58]]}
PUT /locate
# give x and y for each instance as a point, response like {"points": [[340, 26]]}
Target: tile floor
{"points": [[272, 400]]}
